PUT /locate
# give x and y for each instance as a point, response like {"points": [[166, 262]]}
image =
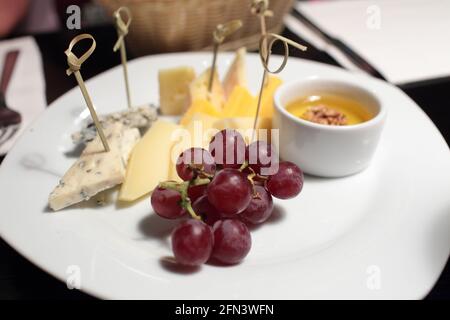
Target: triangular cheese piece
{"points": [[203, 106], [199, 89], [236, 75], [149, 161], [96, 170], [241, 103]]}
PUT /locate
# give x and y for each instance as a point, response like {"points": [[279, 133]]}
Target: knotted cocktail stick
{"points": [[74, 67], [261, 9], [122, 31], [265, 62], [220, 33]]}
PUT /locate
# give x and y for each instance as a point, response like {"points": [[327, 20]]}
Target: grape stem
{"points": [[243, 166], [173, 185], [191, 211], [250, 178], [182, 188], [200, 181], [199, 172]]}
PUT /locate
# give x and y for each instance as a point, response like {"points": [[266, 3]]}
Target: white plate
{"points": [[383, 233]]}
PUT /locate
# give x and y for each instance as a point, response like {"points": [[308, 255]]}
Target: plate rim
{"points": [[98, 293]]}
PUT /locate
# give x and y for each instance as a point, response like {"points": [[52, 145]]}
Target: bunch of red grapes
{"points": [[225, 189]]}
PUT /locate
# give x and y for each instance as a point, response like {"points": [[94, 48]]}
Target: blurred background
{"points": [[158, 25]]}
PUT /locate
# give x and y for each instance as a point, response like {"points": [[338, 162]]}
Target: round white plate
{"points": [[381, 234]]}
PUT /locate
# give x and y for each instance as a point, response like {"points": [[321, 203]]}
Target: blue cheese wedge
{"points": [[136, 117], [96, 170]]}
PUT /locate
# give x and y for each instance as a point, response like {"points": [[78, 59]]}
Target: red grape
{"points": [[229, 192], [206, 210], [192, 160], [195, 192], [232, 241], [192, 242], [228, 148], [287, 182], [260, 156], [166, 203], [260, 208]]}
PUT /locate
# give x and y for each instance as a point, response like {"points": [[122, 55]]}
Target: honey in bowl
{"points": [[329, 109]]}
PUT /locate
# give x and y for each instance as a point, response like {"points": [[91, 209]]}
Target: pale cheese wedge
{"points": [[174, 95], [199, 89], [149, 161], [96, 170], [236, 75]]}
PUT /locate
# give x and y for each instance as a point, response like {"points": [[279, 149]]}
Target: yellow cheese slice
{"points": [[199, 89], [236, 75], [200, 106], [174, 95], [149, 161], [240, 104]]}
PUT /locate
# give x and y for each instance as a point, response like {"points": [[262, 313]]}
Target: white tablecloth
{"points": [[406, 40]]}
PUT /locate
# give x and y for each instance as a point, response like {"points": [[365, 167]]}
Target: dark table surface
{"points": [[20, 279]]}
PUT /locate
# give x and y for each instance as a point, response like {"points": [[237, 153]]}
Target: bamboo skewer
{"points": [[122, 31], [261, 9], [265, 64], [74, 67], [220, 33]]}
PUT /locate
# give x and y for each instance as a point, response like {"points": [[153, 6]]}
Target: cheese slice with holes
{"points": [[96, 170]]}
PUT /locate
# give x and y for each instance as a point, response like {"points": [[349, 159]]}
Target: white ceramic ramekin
{"points": [[323, 150]]}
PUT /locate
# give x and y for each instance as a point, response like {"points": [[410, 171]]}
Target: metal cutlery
{"points": [[340, 45], [9, 119]]}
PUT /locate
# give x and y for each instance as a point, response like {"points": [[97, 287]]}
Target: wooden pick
{"points": [[265, 62], [220, 33], [122, 31], [261, 9], [74, 67]]}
